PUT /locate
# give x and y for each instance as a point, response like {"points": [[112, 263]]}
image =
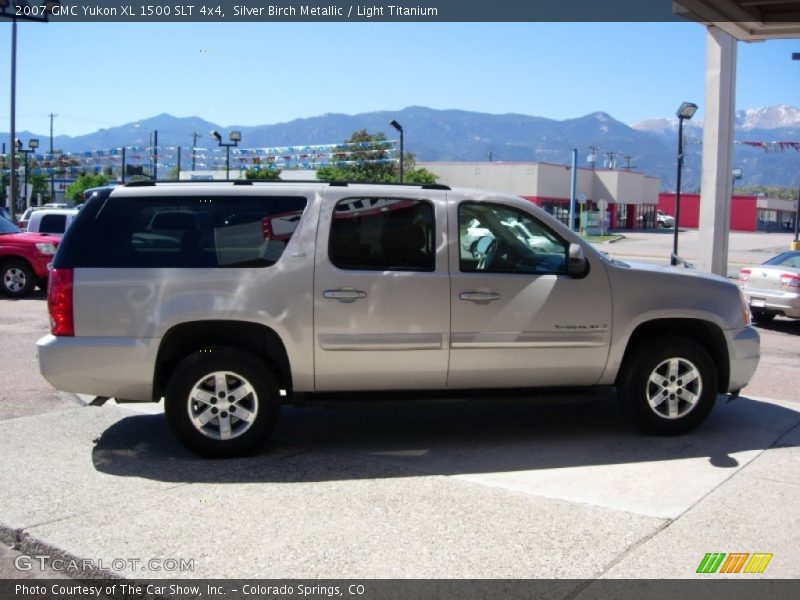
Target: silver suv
{"points": [[228, 299]]}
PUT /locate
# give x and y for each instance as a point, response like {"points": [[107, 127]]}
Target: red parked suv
{"points": [[23, 259]]}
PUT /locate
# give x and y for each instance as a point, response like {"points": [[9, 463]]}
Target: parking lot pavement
{"points": [[744, 248], [440, 489], [24, 391]]}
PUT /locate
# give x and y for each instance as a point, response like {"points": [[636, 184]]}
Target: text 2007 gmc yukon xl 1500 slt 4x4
{"points": [[227, 299]]}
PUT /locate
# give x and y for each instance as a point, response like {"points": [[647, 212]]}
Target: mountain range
{"points": [[456, 135]]}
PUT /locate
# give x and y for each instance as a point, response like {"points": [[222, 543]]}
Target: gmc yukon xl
{"points": [[227, 299]]}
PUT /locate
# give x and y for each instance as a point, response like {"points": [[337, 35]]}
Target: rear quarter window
{"points": [[53, 224], [185, 232]]}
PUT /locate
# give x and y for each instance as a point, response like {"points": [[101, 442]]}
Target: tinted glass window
{"points": [[7, 226], [191, 231], [786, 259], [382, 234], [500, 239], [53, 224]]}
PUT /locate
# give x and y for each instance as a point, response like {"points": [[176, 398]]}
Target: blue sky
{"points": [[102, 75]]}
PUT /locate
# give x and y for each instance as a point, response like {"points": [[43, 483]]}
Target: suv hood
{"points": [[639, 266]]}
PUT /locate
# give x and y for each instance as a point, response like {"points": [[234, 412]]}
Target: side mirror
{"points": [[577, 265]]}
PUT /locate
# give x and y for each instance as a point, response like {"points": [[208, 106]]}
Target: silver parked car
{"points": [[228, 299], [773, 288]]}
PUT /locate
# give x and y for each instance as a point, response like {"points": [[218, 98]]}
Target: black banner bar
{"points": [[713, 588], [175, 11]]}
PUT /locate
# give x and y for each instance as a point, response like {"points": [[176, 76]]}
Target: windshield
{"points": [[7, 226]]}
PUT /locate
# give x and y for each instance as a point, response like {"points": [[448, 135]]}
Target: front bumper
{"points": [[744, 348]]}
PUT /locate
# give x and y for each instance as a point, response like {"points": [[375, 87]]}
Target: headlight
{"points": [[47, 249]]}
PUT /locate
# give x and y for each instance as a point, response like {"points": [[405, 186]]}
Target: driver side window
{"points": [[493, 238]]}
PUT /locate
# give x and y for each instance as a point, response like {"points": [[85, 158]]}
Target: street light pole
{"points": [[32, 145], [12, 195], [8, 10], [399, 128], [236, 137], [796, 243], [685, 112]]}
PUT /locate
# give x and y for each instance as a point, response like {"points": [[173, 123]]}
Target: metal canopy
{"points": [[745, 20]]}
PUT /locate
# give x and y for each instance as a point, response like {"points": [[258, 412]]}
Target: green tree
{"points": [[41, 185], [84, 182], [268, 174], [770, 191], [368, 161]]}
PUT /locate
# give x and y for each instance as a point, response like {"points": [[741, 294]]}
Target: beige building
{"points": [[630, 197]]}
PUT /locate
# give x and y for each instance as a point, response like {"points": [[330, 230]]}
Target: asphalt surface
{"points": [[521, 489]]}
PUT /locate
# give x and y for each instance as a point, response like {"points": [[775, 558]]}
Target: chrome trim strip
{"points": [[382, 341], [501, 339]]}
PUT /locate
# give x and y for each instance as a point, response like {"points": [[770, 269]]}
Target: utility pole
{"points": [[611, 164], [628, 160], [52, 161], [155, 156], [592, 159], [195, 135]]}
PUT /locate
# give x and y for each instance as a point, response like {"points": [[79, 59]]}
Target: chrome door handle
{"points": [[344, 295], [479, 296]]}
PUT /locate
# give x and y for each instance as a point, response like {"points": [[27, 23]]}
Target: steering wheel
{"points": [[487, 251]]}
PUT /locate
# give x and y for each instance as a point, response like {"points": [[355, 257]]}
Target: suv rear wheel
{"points": [[18, 279], [222, 402], [668, 386]]}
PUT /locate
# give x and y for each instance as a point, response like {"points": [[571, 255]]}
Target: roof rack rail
{"points": [[150, 183], [424, 186]]}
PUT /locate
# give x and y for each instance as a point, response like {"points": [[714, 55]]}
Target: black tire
{"points": [[17, 278], [654, 358], [762, 316], [196, 375]]}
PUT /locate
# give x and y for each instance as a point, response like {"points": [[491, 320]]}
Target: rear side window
{"points": [[53, 224], [382, 234], [182, 231]]}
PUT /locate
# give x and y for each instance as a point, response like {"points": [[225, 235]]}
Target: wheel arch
{"points": [[185, 339], [705, 333]]}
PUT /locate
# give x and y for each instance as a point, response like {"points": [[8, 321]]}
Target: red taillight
{"points": [[790, 281], [744, 274], [59, 302]]}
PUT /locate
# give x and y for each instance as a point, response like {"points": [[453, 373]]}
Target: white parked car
{"points": [[773, 288], [664, 220]]}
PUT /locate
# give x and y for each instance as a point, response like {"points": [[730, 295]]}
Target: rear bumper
{"points": [[99, 366], [787, 303], [744, 348]]}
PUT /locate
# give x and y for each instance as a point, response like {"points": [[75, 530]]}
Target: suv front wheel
{"points": [[222, 402], [668, 386]]}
